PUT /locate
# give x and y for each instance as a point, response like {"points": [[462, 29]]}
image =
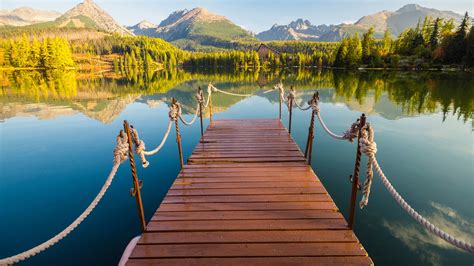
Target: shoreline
{"points": [[362, 69]]}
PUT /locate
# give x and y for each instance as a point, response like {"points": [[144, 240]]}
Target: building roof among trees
{"points": [[268, 47]]}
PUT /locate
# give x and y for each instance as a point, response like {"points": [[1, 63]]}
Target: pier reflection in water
{"points": [[62, 124]]}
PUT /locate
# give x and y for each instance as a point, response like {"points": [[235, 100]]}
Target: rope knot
{"points": [[139, 147], [121, 149], [369, 148], [366, 143], [290, 97], [280, 89], [352, 132], [199, 96], [211, 88], [314, 102], [175, 110]]}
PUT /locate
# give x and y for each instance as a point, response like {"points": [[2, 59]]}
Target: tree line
{"points": [[430, 44], [26, 53], [433, 43]]}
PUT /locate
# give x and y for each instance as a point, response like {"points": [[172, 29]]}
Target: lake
{"points": [[58, 129]]}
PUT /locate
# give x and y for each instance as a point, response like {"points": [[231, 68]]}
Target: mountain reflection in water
{"points": [[103, 97]]}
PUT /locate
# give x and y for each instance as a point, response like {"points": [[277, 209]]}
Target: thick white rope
{"points": [[290, 98], [139, 147], [209, 92], [192, 120], [165, 137], [120, 155], [349, 134], [369, 148], [281, 90], [229, 93], [301, 107]]}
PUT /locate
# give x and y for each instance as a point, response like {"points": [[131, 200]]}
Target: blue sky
{"points": [[254, 15]]}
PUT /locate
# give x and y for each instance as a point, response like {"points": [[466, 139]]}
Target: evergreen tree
{"points": [[470, 47], [354, 53], [434, 38], [386, 43], [426, 29], [367, 45], [455, 45], [463, 27]]}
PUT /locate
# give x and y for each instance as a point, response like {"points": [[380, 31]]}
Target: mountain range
{"points": [[24, 16], [200, 27], [197, 24], [84, 15], [407, 16]]}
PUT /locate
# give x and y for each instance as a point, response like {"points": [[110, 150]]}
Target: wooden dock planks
{"points": [[247, 197]]}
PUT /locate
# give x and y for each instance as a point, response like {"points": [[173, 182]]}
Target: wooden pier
{"points": [[248, 197]]}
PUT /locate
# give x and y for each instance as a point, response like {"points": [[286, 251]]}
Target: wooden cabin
{"points": [[264, 50]]}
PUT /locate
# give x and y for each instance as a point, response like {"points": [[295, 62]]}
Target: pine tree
{"points": [[367, 45], [386, 43], [434, 38], [35, 53], [470, 47], [354, 53], [426, 29], [463, 27]]}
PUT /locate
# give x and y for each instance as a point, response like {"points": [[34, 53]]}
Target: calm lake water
{"points": [[58, 129]]}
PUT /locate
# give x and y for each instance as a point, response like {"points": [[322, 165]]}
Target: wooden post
{"points": [[291, 112], [309, 142], [200, 99], [210, 107], [137, 184], [280, 104], [355, 175], [178, 136]]}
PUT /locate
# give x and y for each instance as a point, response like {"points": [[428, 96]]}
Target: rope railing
{"points": [[163, 141], [214, 89], [369, 148], [120, 155]]}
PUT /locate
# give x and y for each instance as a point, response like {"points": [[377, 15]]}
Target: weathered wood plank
{"points": [[246, 215], [248, 198], [260, 261], [185, 183], [248, 250], [249, 237], [247, 225], [246, 191], [253, 206]]}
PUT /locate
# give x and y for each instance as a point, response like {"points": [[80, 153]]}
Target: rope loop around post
{"points": [[175, 110], [290, 98], [199, 96], [369, 148], [211, 88], [121, 150], [139, 147], [314, 102], [353, 132], [281, 91]]}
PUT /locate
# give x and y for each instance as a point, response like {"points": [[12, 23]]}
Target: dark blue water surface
{"points": [[58, 133]]}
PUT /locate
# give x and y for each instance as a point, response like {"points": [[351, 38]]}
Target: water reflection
{"points": [[104, 96], [419, 240]]}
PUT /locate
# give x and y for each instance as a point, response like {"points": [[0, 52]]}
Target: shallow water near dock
{"points": [[58, 129]]}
